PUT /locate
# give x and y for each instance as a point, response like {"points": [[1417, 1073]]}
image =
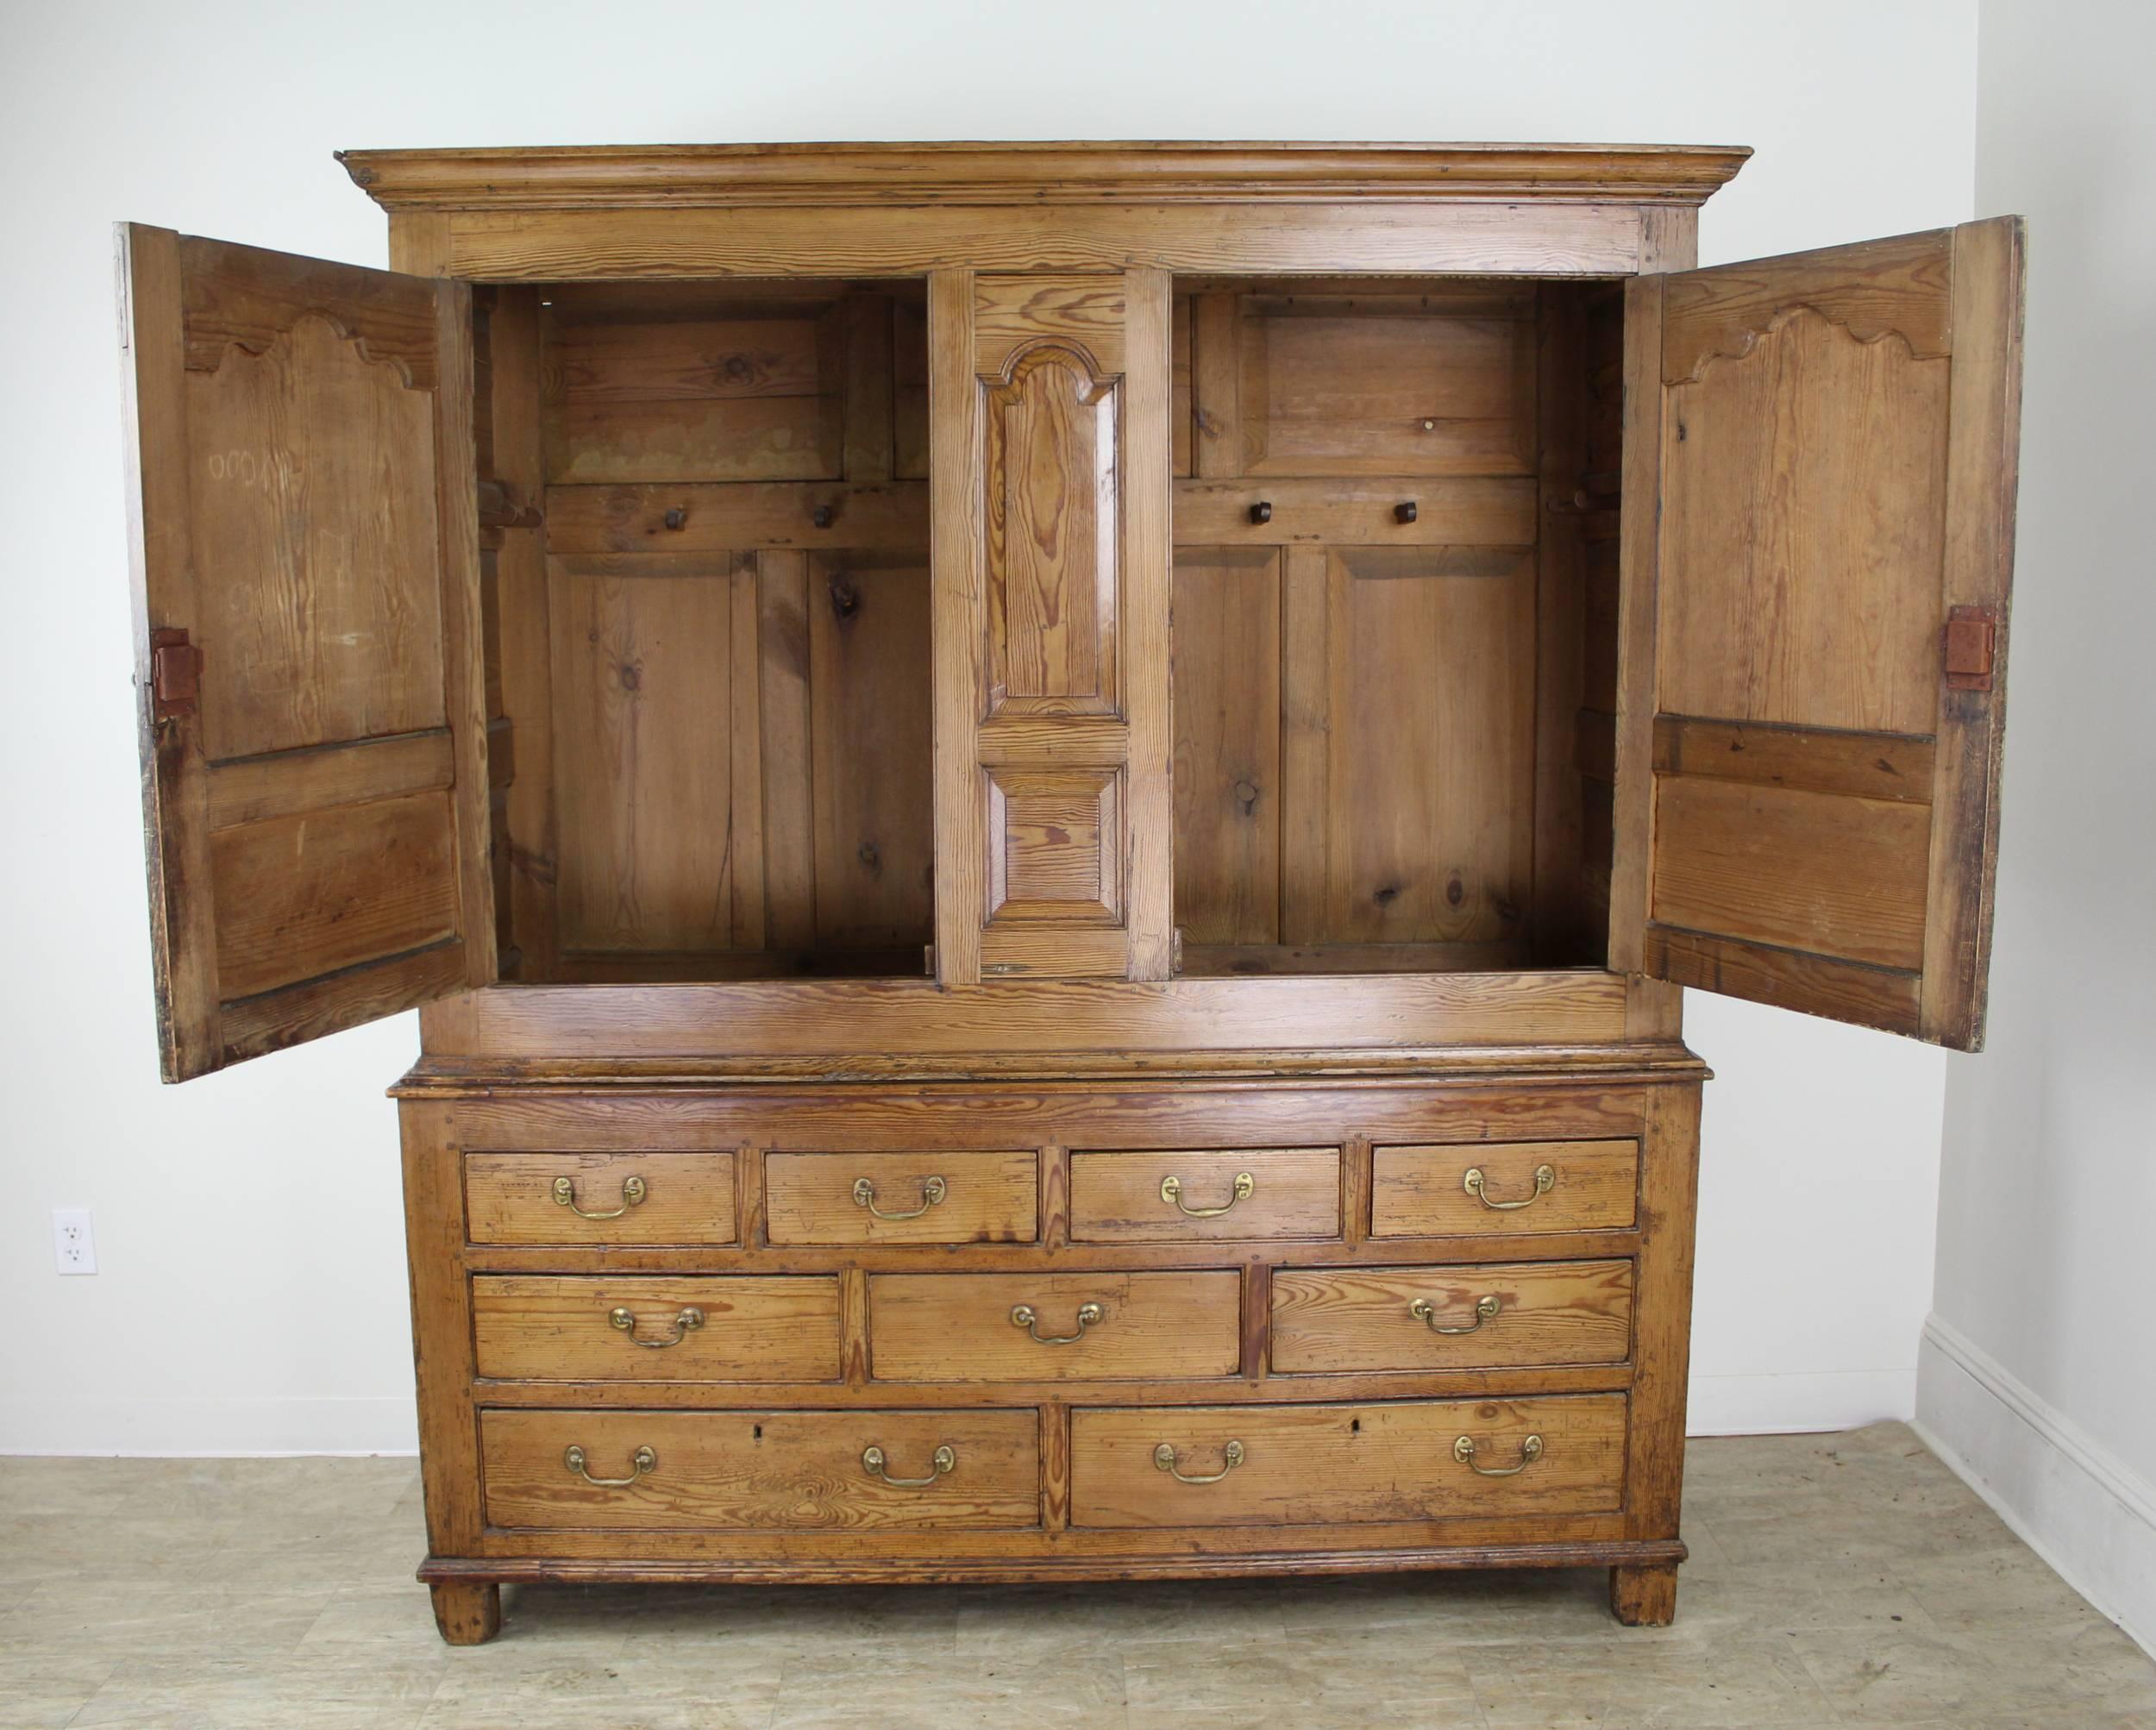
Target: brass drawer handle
{"points": [[876, 1464], [1088, 1313], [933, 1189], [1530, 1451], [1164, 1458], [1486, 1308], [643, 1460], [1545, 1180], [684, 1324], [1171, 1189], [632, 1195]]}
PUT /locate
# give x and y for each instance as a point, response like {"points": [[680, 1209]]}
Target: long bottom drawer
{"points": [[1244, 1466], [762, 1471]]}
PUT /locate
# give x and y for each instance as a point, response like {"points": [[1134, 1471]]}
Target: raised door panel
{"points": [[1814, 763], [304, 504], [1050, 556]]}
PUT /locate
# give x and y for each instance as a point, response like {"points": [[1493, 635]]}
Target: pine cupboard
{"points": [[1046, 804]]}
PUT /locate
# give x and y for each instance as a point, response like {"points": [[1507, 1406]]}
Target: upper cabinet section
{"points": [[905, 210], [1816, 672]]}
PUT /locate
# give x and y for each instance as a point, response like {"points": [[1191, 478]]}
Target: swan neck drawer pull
{"points": [[685, 1324], [1474, 1182], [1022, 1315], [1486, 1308], [876, 1464], [642, 1461], [632, 1195], [1530, 1451], [1171, 1190], [1164, 1458], [933, 1189]]}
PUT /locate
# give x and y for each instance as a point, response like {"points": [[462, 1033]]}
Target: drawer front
{"points": [[599, 1198], [762, 1471], [1183, 1197], [901, 1198], [1026, 1327], [1473, 1317], [1319, 1464], [1492, 1189], [754, 1328]]}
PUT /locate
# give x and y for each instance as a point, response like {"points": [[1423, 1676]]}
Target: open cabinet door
{"points": [[305, 539], [1815, 659]]}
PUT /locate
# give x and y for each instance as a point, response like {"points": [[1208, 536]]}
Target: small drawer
{"points": [[1295, 1465], [1142, 1197], [762, 1471], [1052, 1327], [901, 1198], [1481, 1316], [1476, 1189], [727, 1328], [599, 1198]]}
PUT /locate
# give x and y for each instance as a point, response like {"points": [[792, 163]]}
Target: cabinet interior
{"points": [[710, 711]]}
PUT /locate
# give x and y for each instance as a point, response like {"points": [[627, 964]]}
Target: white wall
{"points": [[251, 1295], [2040, 1371]]}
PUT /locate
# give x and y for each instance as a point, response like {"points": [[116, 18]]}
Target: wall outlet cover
{"points": [[74, 1249]]}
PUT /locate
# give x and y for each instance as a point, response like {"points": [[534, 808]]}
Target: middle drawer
{"points": [[759, 1327], [1053, 1327]]}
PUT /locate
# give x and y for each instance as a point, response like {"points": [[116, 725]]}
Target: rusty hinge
{"points": [[1972, 646], [175, 674]]}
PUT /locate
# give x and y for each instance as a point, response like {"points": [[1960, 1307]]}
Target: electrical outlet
{"points": [[74, 1250]]}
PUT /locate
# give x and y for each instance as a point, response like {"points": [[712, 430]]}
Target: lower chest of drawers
{"points": [[1005, 1331]]}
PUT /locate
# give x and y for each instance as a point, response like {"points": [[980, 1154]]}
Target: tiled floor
{"points": [[1835, 1580]]}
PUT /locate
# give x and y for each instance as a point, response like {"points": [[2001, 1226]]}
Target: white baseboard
{"points": [[2063, 1493], [1786, 1405], [214, 1427]]}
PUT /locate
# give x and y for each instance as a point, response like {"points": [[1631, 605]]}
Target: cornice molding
{"points": [[765, 175]]}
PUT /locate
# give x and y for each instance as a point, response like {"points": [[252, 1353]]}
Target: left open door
{"points": [[304, 510]]}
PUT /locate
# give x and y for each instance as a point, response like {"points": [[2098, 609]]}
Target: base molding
{"points": [[869, 1571], [2060, 1491]]}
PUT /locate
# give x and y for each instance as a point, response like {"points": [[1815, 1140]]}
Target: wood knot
{"points": [[632, 676], [1247, 796], [869, 856], [1387, 895], [1455, 890], [845, 598]]}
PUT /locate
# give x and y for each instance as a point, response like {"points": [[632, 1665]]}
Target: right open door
{"points": [[1814, 662]]}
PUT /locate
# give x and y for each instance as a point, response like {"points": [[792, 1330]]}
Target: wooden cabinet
{"points": [[1045, 802]]}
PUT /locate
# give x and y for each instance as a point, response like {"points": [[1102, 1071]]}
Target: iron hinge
{"points": [[175, 674], [1972, 646]]}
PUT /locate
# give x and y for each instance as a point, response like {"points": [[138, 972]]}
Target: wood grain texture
{"points": [[670, 521], [957, 1327], [958, 616], [1422, 1192], [688, 1198], [1225, 674], [1116, 1197], [987, 1197], [762, 1471], [1345, 1463], [555, 1328], [1327, 1321]]}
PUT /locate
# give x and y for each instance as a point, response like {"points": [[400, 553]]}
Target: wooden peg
{"points": [[676, 520], [1404, 512], [822, 516], [1261, 511]]}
